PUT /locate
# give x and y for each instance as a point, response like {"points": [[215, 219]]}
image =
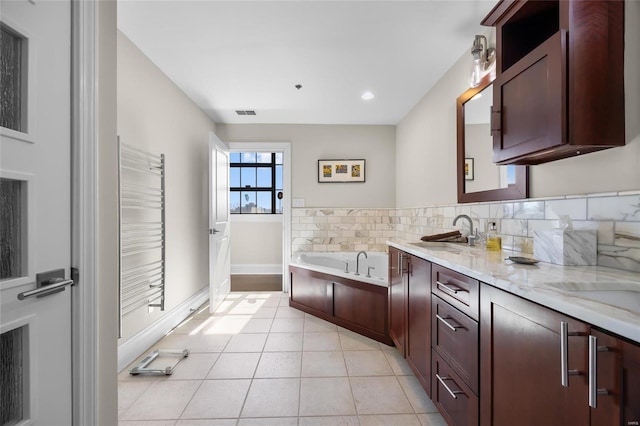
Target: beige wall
{"points": [[255, 243], [107, 225], [309, 143], [426, 142], [156, 116]]}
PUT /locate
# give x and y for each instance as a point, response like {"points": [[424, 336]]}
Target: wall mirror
{"points": [[479, 178]]}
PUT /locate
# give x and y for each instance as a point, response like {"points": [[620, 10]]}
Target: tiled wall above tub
{"points": [[328, 229], [616, 217]]}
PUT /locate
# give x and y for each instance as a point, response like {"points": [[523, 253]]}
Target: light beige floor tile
{"points": [[265, 312], [269, 421], [416, 395], [323, 364], [287, 325], [367, 363], [314, 324], [194, 367], [246, 343], [227, 324], [283, 342], [398, 363], [326, 341], [190, 325], [379, 395], [272, 398], [246, 307], [206, 422], [326, 396], [355, 342], [431, 420], [284, 300], [163, 400], [235, 366], [272, 300], [129, 392], [217, 399], [288, 312], [390, 420], [257, 325], [146, 423], [279, 364], [329, 421]]}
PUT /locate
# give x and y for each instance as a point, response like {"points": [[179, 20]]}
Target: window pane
{"points": [[11, 223], [11, 90], [279, 158], [264, 157], [234, 177], [248, 157], [264, 177], [264, 202], [12, 379], [278, 177], [279, 202], [248, 177], [248, 202], [234, 202], [234, 157]]}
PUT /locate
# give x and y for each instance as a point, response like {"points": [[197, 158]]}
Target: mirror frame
{"points": [[519, 190]]}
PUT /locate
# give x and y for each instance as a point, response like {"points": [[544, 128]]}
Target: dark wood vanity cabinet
{"points": [[410, 312], [524, 347], [559, 87]]}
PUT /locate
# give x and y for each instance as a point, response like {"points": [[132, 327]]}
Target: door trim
{"points": [[284, 147], [84, 211]]}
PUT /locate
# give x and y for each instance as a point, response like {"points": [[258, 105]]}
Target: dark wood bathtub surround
{"points": [[352, 304]]}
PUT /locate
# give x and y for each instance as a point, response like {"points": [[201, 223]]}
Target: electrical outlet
{"points": [[297, 202]]}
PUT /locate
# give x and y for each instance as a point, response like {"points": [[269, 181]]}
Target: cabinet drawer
{"points": [[459, 290], [454, 399], [455, 338]]}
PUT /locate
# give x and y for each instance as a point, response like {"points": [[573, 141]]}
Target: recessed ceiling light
{"points": [[367, 96]]}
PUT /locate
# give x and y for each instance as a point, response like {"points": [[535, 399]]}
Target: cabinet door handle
{"points": [[445, 322], [454, 394], [496, 118], [564, 354], [593, 371], [449, 288]]}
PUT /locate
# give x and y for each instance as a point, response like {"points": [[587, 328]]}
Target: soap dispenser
{"points": [[494, 241]]}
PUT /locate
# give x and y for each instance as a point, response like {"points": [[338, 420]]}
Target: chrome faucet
{"points": [[472, 235], [358, 261]]}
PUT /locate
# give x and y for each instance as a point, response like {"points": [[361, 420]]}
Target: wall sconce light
{"points": [[484, 61]]}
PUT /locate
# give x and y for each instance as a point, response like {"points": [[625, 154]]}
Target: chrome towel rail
{"points": [[142, 231]]}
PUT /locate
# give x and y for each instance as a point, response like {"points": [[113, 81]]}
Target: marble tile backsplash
{"points": [[614, 216]]}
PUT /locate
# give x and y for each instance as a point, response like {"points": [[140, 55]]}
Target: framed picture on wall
{"points": [[468, 169], [341, 171]]}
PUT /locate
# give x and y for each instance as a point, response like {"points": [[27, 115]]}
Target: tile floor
{"points": [[257, 361]]}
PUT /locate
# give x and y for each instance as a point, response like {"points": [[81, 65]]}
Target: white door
{"points": [[35, 222], [219, 229]]}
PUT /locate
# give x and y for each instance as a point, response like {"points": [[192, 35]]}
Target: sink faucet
{"points": [[472, 235], [358, 261]]}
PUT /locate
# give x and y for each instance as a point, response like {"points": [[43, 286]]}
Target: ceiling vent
{"points": [[245, 112]]}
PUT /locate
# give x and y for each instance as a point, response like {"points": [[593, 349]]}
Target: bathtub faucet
{"points": [[358, 261]]}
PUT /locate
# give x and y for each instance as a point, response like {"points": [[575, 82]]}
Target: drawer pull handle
{"points": [[593, 371], [453, 393], [445, 322], [449, 288], [565, 372]]}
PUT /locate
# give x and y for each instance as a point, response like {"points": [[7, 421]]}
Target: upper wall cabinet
{"points": [[559, 89]]}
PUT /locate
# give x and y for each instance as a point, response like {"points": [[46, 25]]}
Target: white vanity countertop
{"points": [[604, 297]]}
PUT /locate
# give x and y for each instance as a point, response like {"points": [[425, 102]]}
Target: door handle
{"points": [[47, 283], [213, 231]]}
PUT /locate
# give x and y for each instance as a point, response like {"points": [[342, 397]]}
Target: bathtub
{"points": [[334, 264], [320, 286]]}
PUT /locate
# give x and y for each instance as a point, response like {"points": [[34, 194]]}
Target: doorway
{"points": [[257, 235]]}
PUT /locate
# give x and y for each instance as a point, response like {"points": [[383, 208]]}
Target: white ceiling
{"points": [[249, 55]]}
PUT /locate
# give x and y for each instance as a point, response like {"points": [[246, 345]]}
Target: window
{"points": [[255, 183], [12, 80]]}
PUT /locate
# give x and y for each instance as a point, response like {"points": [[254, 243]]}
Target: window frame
{"points": [[273, 165]]}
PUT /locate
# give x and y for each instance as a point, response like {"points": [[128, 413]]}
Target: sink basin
{"points": [[441, 245], [625, 295]]}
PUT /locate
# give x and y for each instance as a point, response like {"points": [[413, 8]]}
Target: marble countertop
{"points": [[604, 297]]}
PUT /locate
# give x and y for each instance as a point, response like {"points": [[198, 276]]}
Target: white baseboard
{"points": [[136, 345], [256, 269]]}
